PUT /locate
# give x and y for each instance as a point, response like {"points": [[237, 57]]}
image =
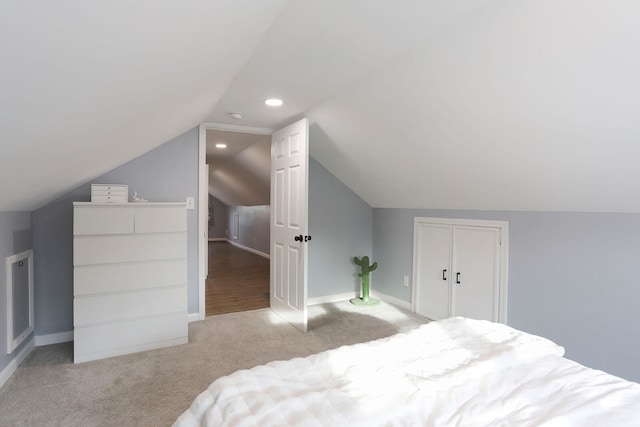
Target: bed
{"points": [[454, 372]]}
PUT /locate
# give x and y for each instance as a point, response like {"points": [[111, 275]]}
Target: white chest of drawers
{"points": [[130, 278]]}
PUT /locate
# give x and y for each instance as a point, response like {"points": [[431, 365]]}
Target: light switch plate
{"points": [[191, 203]]}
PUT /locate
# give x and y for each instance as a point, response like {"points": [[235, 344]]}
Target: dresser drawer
{"points": [[131, 248], [113, 339], [103, 193], [98, 309], [109, 193], [103, 220], [130, 276], [149, 219], [109, 199], [109, 187]]}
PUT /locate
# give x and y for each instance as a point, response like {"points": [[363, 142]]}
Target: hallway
{"points": [[238, 280]]}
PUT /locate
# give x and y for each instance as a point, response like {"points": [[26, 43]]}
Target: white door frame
{"points": [[203, 199], [504, 255]]}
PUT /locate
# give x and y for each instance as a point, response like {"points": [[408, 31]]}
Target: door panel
{"points": [[289, 186], [294, 276], [433, 273], [277, 272], [476, 261]]}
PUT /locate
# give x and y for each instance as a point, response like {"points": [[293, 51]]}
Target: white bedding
{"points": [[455, 372]]}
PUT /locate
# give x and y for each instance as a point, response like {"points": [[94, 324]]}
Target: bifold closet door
{"points": [[434, 271], [475, 277]]}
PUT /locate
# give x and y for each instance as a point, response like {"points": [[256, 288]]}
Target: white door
{"points": [[289, 229], [205, 257], [476, 261], [433, 267], [460, 268]]}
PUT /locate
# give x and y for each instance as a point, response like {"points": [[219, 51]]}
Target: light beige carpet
{"points": [[153, 388]]}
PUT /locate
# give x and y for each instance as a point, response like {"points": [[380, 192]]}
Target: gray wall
{"points": [[573, 277], [168, 173], [218, 226], [15, 237], [254, 229], [340, 224]]}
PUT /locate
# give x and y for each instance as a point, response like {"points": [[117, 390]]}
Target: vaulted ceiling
{"points": [[469, 104], [240, 170]]}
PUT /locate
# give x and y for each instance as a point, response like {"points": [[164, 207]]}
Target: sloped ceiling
{"points": [[500, 104], [87, 86], [239, 174], [522, 106]]}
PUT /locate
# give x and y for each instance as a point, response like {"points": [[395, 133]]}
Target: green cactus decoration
{"points": [[366, 270]]}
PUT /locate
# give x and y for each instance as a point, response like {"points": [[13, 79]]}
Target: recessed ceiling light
{"points": [[273, 102], [236, 115], [221, 145]]}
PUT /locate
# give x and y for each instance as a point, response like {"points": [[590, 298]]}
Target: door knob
{"points": [[298, 238]]}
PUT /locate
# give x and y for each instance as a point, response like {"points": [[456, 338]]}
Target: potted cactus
{"points": [[365, 269]]}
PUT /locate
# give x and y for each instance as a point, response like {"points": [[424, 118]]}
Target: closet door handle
{"points": [[458, 278], [444, 274]]}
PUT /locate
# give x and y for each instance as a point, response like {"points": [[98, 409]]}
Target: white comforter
{"points": [[455, 372]]}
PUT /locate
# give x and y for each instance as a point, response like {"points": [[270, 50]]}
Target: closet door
{"points": [[475, 281], [433, 268], [460, 268]]}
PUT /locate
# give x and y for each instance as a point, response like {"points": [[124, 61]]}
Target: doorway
{"points": [[288, 231], [238, 193], [238, 280]]}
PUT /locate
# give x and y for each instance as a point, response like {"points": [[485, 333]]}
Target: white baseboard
{"points": [[56, 338], [246, 248], [391, 300], [86, 357], [217, 239], [348, 295], [192, 317], [331, 298], [8, 370]]}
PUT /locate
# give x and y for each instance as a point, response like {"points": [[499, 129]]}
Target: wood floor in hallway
{"points": [[238, 280]]}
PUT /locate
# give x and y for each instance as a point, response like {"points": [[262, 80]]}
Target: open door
{"points": [[289, 217], [205, 189]]}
